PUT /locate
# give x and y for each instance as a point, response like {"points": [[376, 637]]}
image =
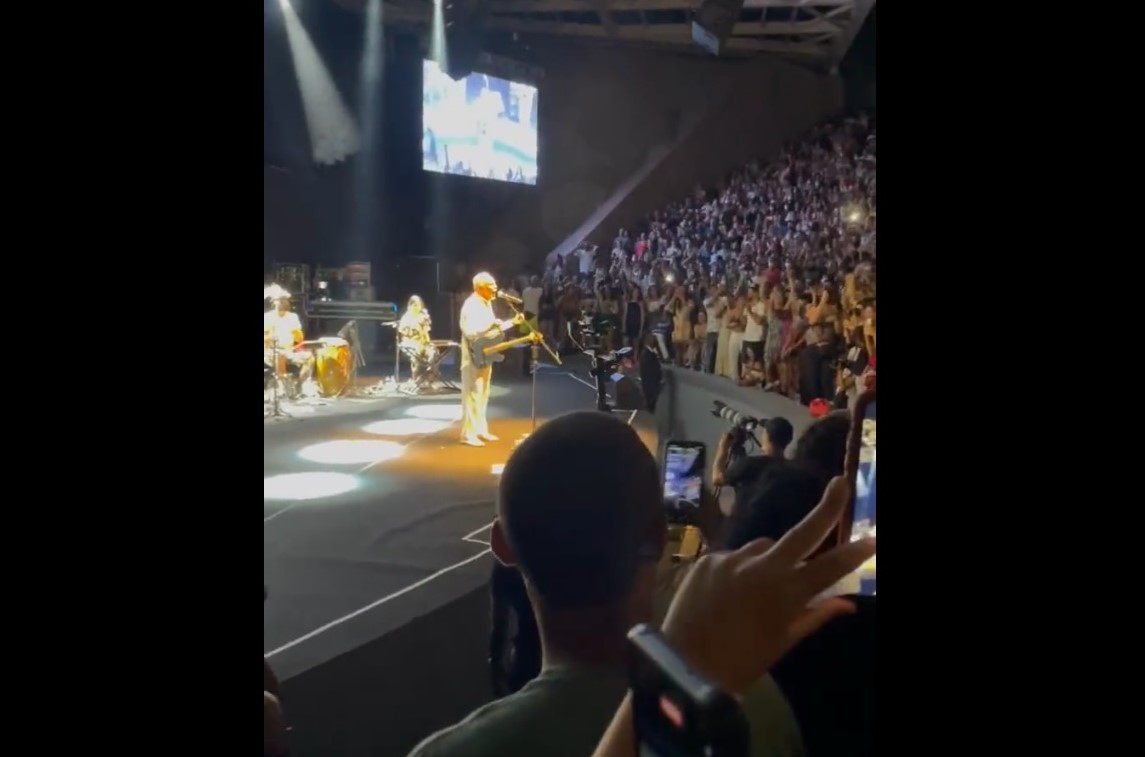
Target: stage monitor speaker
{"points": [[627, 395], [714, 22]]}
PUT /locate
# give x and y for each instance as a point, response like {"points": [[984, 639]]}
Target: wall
{"points": [[604, 112], [684, 408], [770, 104], [289, 233]]}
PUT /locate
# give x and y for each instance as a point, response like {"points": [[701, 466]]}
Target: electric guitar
{"points": [[488, 350]]}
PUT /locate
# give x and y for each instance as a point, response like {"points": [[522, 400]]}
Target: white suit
{"points": [[477, 320]]}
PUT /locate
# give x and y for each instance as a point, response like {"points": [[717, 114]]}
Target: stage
{"points": [[375, 515]]}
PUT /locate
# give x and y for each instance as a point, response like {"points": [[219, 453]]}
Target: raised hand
{"points": [[737, 613]]}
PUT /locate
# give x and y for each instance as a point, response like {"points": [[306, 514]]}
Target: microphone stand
{"points": [[275, 405], [534, 356]]}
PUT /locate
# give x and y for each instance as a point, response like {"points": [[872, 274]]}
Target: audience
{"points": [[764, 280]]}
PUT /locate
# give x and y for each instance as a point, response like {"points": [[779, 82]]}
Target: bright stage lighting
{"points": [[450, 412], [304, 486], [351, 452], [406, 426]]}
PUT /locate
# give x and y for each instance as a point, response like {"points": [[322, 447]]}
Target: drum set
{"points": [[315, 369]]}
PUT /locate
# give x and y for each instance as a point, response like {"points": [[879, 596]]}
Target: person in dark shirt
{"points": [[742, 475]]}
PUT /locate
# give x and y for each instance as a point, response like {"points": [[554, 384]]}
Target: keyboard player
{"points": [[413, 335]]}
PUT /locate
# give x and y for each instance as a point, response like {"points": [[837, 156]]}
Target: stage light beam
{"points": [[306, 486], [450, 412], [406, 426], [334, 136], [351, 452]]}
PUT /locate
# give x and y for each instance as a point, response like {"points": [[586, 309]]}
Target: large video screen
{"points": [[479, 126]]}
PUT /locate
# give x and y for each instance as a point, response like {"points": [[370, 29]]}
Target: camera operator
{"points": [[775, 435], [745, 472]]}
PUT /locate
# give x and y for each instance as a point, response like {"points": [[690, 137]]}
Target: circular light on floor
{"points": [[434, 412], [351, 452], [304, 486], [405, 426]]}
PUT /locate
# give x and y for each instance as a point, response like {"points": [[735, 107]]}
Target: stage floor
{"points": [[374, 514]]}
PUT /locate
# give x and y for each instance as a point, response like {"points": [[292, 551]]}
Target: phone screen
{"points": [[684, 471], [864, 519]]}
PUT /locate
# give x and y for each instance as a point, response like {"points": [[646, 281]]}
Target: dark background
{"points": [[606, 114]]}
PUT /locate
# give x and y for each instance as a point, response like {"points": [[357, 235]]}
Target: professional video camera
{"points": [[743, 428], [590, 331], [604, 364]]}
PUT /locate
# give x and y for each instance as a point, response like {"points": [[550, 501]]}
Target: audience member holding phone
{"points": [[738, 613], [589, 548]]}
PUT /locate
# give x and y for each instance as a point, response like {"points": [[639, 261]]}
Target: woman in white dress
{"points": [[722, 341], [736, 323]]}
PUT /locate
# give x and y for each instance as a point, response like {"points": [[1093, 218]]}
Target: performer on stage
{"points": [[413, 331], [477, 322], [281, 331]]}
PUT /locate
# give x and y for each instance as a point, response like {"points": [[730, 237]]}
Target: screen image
{"points": [[479, 126], [864, 522], [683, 472]]}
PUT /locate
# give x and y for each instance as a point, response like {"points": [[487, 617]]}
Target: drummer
{"points": [[413, 333], [282, 330]]}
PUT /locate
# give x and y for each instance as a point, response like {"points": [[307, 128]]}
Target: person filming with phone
{"points": [[588, 549]]}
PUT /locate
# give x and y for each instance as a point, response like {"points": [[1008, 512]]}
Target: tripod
{"points": [[275, 404], [599, 371], [534, 356]]}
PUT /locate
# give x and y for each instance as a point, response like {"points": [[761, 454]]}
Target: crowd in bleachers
{"points": [[768, 280]]}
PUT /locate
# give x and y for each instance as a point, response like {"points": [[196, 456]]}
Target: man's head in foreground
{"points": [[580, 512]]}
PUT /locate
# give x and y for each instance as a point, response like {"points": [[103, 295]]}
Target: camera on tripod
{"points": [[604, 364], [590, 331]]}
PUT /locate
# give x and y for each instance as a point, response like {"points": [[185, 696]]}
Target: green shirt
{"points": [[565, 710]]}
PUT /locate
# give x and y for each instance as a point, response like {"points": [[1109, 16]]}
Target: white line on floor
{"points": [[632, 417], [405, 447], [274, 515], [476, 531], [578, 379], [377, 603]]}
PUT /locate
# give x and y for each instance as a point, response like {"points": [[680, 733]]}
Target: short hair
{"points": [[579, 503], [823, 446], [779, 431], [484, 279]]}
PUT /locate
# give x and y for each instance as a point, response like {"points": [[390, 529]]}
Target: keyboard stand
{"points": [[425, 383]]}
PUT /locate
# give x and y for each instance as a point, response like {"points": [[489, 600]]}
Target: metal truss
{"points": [[807, 31]]}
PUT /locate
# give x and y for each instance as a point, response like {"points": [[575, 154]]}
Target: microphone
{"points": [[510, 298]]}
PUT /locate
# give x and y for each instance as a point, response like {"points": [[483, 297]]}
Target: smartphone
{"points": [[860, 520], [676, 712], [684, 472]]}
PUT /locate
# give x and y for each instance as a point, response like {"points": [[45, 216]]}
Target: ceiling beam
{"points": [[560, 6], [859, 13], [741, 29], [664, 33]]}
